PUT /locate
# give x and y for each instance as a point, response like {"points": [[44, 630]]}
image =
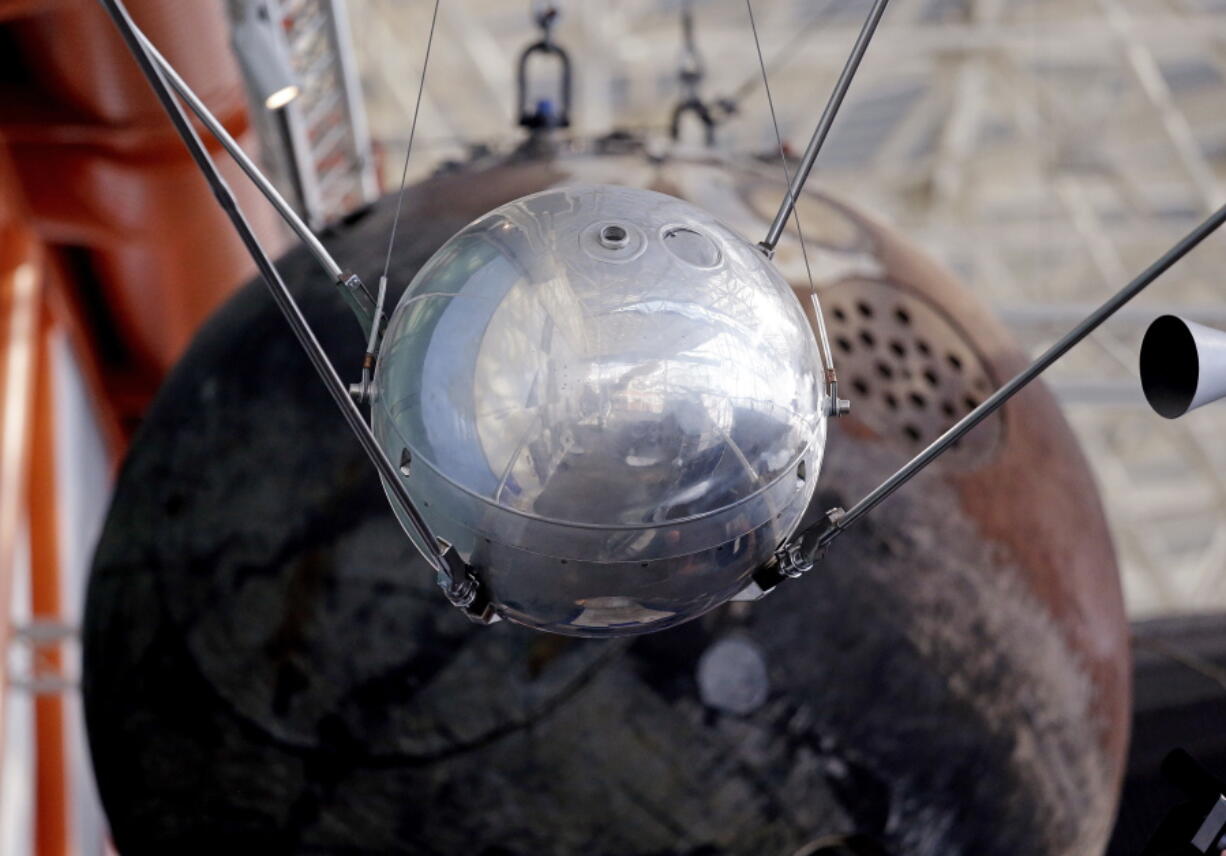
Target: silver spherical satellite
{"points": [[610, 403]]}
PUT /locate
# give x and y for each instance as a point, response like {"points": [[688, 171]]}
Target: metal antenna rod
{"points": [[352, 289], [824, 123], [835, 406], [439, 558], [819, 536]]}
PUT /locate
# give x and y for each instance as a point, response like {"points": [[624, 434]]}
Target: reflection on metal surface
{"points": [[732, 676], [635, 412]]}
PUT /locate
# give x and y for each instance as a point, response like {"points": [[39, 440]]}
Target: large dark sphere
{"points": [[269, 669]]}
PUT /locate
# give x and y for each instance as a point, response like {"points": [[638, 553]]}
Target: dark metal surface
{"points": [[268, 669], [1180, 680]]}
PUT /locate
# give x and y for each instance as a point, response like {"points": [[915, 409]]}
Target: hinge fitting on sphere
{"points": [[835, 406], [463, 589], [794, 558]]}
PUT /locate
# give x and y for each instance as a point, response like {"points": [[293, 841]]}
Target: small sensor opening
{"points": [[691, 246], [614, 237]]}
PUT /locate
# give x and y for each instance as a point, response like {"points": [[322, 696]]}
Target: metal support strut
{"points": [[454, 576], [835, 406]]}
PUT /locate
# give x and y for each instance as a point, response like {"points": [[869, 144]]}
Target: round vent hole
{"points": [[692, 247]]}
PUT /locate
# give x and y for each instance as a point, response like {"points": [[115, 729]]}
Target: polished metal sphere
{"points": [[610, 403]]}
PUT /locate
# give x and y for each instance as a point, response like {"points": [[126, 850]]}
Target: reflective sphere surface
{"points": [[608, 401]]}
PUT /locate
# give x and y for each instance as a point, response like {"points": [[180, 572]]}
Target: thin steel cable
{"points": [[404, 175], [784, 55], [827, 355]]}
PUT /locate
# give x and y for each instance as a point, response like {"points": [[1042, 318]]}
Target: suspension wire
{"points": [[404, 174], [376, 329], [692, 59], [826, 121], [783, 55], [432, 551], [827, 355]]}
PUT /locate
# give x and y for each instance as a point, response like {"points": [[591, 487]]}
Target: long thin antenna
{"points": [[824, 123], [351, 287], [245, 163], [834, 406], [460, 587], [819, 536]]}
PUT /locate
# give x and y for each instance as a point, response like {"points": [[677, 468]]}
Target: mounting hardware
{"points": [[462, 588], [835, 406], [794, 558]]}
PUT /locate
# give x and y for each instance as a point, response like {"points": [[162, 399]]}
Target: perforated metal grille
{"points": [[909, 372]]}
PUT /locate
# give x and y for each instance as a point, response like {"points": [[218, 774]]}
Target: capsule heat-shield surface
{"points": [[610, 403]]}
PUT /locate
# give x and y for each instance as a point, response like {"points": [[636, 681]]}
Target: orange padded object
{"points": [[105, 175]]}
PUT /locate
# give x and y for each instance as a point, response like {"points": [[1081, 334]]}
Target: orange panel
{"points": [[103, 170]]}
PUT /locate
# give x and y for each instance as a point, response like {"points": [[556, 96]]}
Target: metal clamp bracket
{"points": [[794, 558]]}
